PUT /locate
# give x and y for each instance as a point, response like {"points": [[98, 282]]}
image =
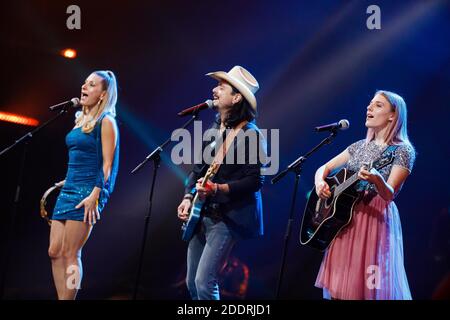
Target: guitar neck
{"points": [[205, 180], [347, 183], [209, 174], [354, 177]]}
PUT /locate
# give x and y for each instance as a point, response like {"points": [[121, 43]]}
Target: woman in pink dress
{"points": [[365, 260]]}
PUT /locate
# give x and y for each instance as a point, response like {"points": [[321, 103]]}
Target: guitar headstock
{"points": [[383, 162]]}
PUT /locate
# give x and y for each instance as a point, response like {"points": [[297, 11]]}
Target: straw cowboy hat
{"points": [[242, 80]]}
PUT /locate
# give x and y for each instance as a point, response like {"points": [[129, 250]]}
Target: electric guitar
{"points": [[189, 226], [323, 219]]}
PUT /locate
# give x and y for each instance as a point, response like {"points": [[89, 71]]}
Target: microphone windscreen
{"points": [[75, 101], [344, 124]]}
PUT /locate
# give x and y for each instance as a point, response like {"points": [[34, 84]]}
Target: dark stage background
{"points": [[316, 62]]}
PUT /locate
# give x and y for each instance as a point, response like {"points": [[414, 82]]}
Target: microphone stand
{"points": [[155, 156], [23, 140], [296, 168]]}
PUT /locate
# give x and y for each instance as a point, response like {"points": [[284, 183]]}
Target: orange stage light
{"points": [[15, 118], [69, 53]]}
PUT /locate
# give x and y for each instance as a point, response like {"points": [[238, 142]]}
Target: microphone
{"points": [[208, 104], [73, 103], [341, 125]]}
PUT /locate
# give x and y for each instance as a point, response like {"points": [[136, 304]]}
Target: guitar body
{"points": [[188, 228], [190, 225], [324, 219]]}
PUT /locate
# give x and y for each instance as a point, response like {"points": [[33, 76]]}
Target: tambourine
{"points": [[43, 203]]}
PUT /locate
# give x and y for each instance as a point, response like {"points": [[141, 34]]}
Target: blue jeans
{"points": [[206, 256]]}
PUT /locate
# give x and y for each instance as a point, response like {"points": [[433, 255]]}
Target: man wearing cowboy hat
{"points": [[233, 203]]}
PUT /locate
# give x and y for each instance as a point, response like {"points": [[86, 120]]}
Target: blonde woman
{"points": [[92, 169], [365, 261]]}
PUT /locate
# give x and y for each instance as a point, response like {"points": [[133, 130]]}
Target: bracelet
{"points": [[188, 196]]}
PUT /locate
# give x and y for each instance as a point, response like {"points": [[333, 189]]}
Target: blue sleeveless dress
{"points": [[85, 171]]}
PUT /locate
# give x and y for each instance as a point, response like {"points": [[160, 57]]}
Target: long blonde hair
{"points": [[397, 132], [106, 105]]}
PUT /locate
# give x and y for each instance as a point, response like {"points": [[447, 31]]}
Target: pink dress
{"points": [[365, 261]]}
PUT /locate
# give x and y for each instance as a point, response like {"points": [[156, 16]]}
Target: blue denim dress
{"points": [[85, 171]]}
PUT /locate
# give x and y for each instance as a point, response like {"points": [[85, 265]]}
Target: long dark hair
{"points": [[240, 112]]}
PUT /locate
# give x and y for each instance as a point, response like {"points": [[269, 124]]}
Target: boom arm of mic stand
{"points": [[30, 134], [155, 153], [296, 165]]}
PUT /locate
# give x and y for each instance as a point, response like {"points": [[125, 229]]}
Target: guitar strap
{"points": [[220, 155], [388, 151]]}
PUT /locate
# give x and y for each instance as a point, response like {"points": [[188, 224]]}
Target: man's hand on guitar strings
{"points": [[183, 209]]}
